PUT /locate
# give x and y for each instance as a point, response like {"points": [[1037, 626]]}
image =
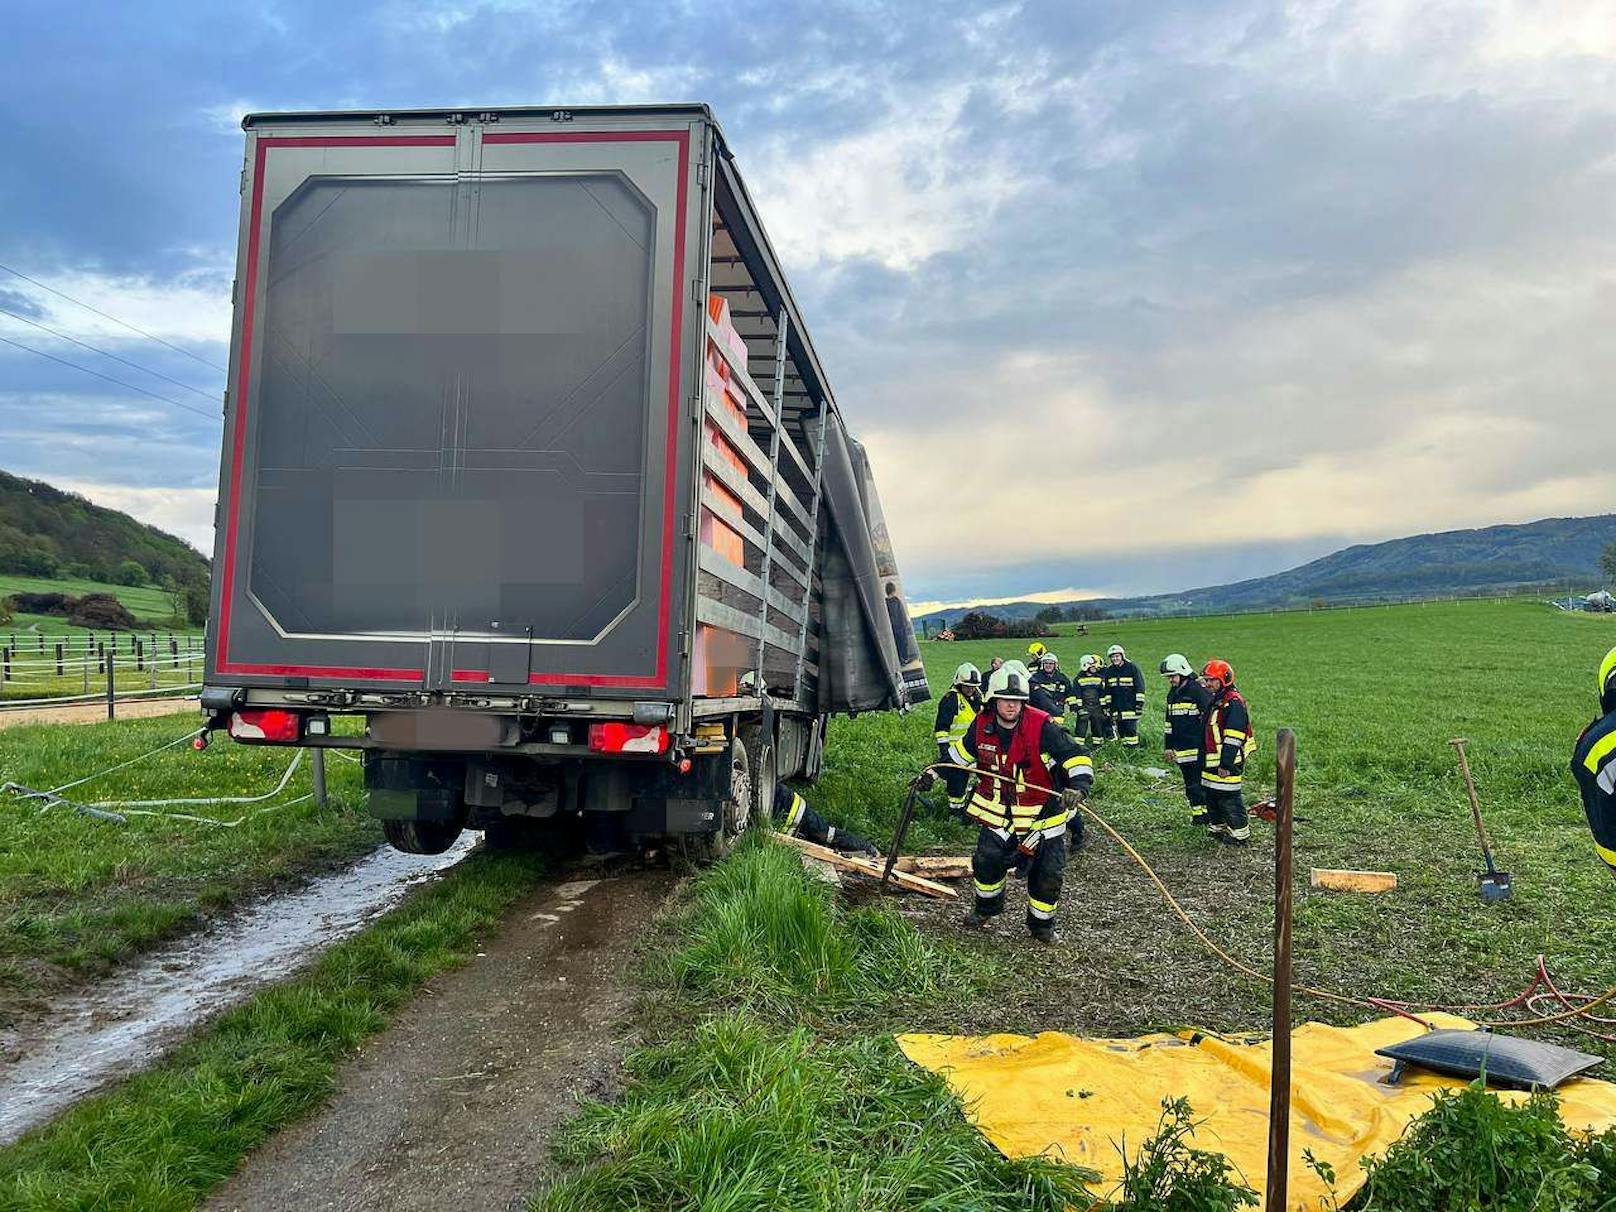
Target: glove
{"points": [[1072, 799], [926, 780], [1028, 846]]}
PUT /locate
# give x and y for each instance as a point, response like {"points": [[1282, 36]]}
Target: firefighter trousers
{"points": [[991, 865], [1193, 791], [1099, 725], [1226, 811], [1128, 728]]}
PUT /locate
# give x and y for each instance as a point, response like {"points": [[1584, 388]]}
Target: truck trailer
{"points": [[533, 488]]}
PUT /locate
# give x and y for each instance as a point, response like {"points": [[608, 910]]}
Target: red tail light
{"points": [[266, 725], [628, 738]]}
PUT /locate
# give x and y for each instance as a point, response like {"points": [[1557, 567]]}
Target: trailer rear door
{"points": [[452, 458]]}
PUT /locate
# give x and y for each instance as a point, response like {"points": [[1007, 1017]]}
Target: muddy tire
{"points": [[763, 763], [734, 811], [421, 837]]}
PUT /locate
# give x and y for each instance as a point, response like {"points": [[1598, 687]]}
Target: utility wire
{"points": [[63, 361], [95, 350], [105, 316]]}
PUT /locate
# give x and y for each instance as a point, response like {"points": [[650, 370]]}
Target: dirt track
{"points": [[94, 713], [455, 1105]]}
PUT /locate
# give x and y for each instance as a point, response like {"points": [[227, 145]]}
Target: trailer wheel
{"points": [[421, 837], [733, 812], [763, 761]]}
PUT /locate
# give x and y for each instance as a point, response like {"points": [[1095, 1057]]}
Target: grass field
{"points": [[78, 894], [144, 602], [769, 1072]]}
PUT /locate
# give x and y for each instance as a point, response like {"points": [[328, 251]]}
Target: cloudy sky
{"points": [[1122, 297]]}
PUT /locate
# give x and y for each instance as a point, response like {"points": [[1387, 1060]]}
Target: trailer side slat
{"points": [[716, 565], [716, 614]]}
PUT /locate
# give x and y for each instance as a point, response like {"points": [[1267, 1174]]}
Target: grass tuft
{"points": [[764, 934], [746, 1113]]}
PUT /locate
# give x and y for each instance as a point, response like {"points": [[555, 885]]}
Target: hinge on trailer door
{"points": [[701, 172]]}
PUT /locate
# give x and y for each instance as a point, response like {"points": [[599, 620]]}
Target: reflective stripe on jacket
{"points": [[1227, 740]]}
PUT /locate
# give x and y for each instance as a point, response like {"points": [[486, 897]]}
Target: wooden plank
{"points": [[716, 565], [740, 372], [1353, 881], [938, 866], [865, 867], [789, 445], [724, 421], [717, 614]]}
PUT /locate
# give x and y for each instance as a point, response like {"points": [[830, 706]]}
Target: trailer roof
{"points": [[451, 113]]}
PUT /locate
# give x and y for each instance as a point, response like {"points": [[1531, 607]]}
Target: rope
{"points": [[1584, 1010], [221, 799]]}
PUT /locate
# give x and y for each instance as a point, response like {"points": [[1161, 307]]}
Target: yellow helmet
{"points": [[1035, 651], [1607, 681]]}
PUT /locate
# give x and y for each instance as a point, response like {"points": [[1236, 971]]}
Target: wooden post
{"points": [[5, 664], [140, 655], [59, 658], [317, 767], [86, 671], [1279, 1086], [112, 701]]}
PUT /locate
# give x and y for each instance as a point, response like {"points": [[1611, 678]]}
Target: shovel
{"points": [[1493, 883]]}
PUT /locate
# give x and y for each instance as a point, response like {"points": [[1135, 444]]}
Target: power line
{"points": [[114, 319], [93, 349], [109, 378]]}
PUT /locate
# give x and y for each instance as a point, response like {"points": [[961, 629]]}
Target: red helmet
{"points": [[1220, 670]]}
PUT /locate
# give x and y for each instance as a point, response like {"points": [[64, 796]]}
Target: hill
{"points": [[1556, 551], [45, 532]]}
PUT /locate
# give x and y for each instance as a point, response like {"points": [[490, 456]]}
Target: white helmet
{"points": [[1175, 662], [1008, 683], [1089, 661], [1049, 658], [967, 675], [1115, 650], [1015, 666]]}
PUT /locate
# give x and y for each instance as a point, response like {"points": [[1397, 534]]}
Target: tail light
{"points": [[267, 725], [628, 738]]}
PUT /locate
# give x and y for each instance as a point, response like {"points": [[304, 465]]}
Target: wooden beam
{"points": [[1353, 881], [864, 867]]}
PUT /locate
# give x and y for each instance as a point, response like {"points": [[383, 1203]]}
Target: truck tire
{"points": [[422, 837], [763, 765], [733, 812]]}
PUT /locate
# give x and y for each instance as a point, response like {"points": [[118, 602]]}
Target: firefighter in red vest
{"points": [[1025, 820], [1224, 747]]}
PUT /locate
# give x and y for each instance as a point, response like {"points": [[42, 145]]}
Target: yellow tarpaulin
{"points": [[1077, 1099]]}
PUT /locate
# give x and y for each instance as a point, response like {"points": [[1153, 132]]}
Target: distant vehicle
{"points": [[531, 469], [1600, 603]]}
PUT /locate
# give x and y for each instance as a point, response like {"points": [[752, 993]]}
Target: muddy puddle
{"points": [[124, 1024]]}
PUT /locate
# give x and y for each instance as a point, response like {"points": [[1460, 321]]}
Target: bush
{"points": [[1470, 1150], [133, 573], [42, 603], [8, 610], [978, 625], [100, 610]]}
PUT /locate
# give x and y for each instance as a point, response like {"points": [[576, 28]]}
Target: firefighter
{"points": [[1035, 653], [1050, 688], [1593, 762], [793, 816], [1023, 822], [1089, 721], [1125, 695], [1187, 701], [1225, 742], [955, 711]]}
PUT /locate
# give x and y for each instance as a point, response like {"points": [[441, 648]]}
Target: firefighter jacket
{"points": [[1055, 688], [1226, 741], [1186, 720], [1593, 762], [1088, 691], [955, 711], [1124, 690], [1037, 753]]}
